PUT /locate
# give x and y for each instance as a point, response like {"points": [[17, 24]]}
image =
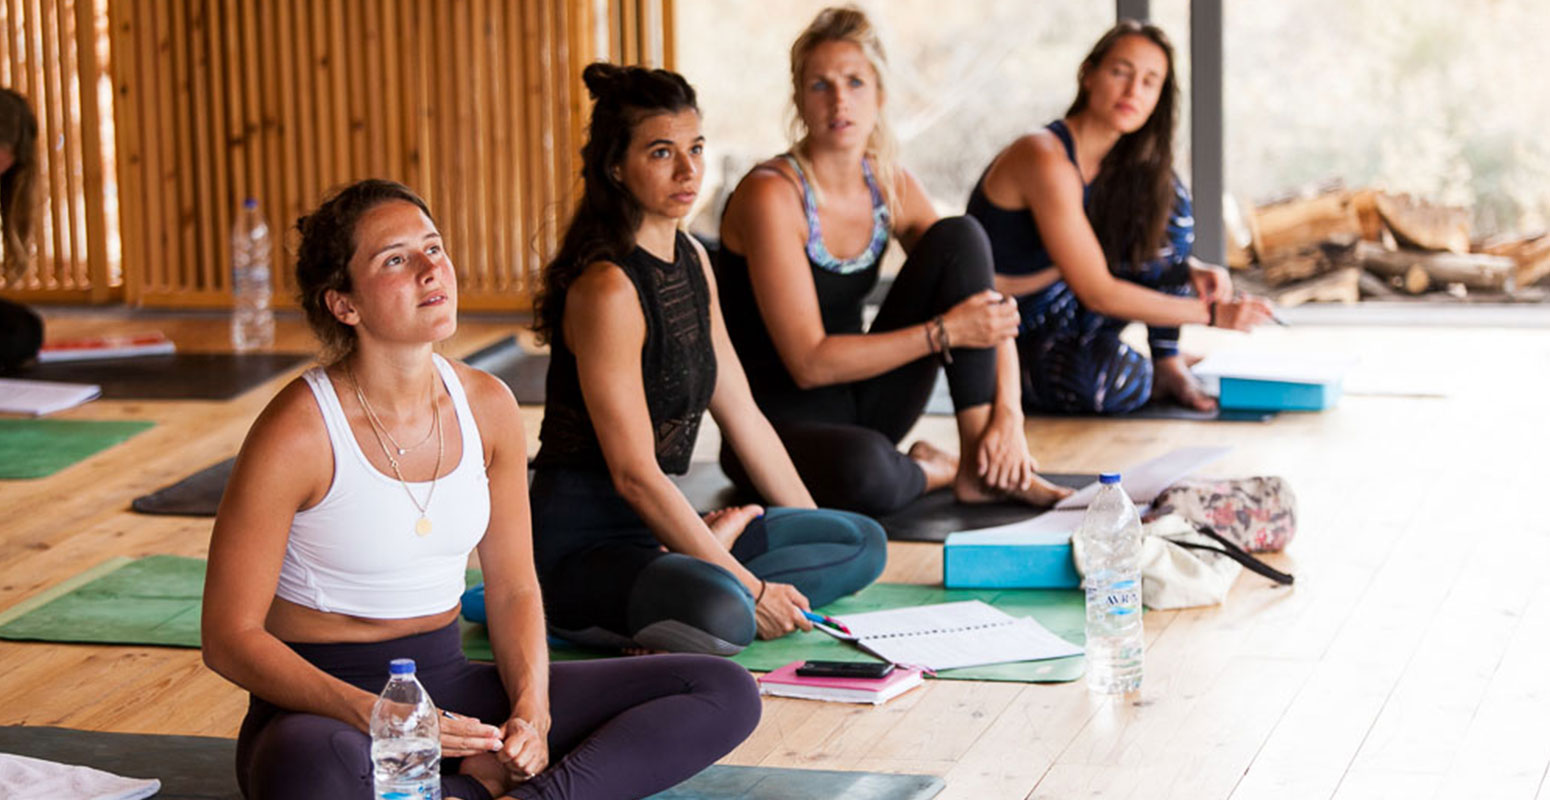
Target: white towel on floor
{"points": [[23, 778]]}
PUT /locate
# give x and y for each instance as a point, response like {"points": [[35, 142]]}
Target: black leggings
{"points": [[608, 583], [844, 439], [622, 727]]}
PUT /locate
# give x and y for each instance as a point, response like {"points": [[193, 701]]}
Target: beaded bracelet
{"points": [[946, 344]]}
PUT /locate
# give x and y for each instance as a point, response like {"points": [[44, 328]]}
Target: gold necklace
{"points": [[378, 425], [422, 526]]}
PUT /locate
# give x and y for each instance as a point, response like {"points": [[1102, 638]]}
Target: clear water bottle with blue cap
{"points": [[1110, 540], [405, 738]]}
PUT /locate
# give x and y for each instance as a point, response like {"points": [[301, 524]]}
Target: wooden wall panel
{"points": [[158, 117], [476, 104], [55, 52]]}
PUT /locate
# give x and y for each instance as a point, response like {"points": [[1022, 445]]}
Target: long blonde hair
{"points": [[847, 24]]}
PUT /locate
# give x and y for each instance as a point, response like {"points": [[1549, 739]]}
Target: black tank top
{"points": [[1015, 243], [677, 362]]}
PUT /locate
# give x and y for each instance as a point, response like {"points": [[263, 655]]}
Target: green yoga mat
{"points": [[155, 600], [38, 448], [1061, 610]]}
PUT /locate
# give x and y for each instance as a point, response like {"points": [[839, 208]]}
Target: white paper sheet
{"points": [[1144, 481], [38, 398], [1286, 367], [1022, 639]]}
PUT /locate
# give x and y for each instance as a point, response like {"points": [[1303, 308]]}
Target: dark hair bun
{"points": [[604, 79]]}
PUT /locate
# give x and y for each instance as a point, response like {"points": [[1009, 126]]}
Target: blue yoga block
{"points": [[1039, 560], [1278, 395]]}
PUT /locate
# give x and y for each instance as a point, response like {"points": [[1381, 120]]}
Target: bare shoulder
{"points": [[486, 393], [916, 211], [282, 444], [771, 185], [1039, 150], [602, 284], [291, 420], [494, 407]]}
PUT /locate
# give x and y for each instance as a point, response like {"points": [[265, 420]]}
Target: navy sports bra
{"points": [[1014, 237]]}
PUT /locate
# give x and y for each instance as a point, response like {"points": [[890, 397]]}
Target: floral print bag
{"points": [[1257, 514]]}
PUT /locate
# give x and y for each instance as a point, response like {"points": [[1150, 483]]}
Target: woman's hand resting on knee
{"points": [[984, 319], [778, 611]]}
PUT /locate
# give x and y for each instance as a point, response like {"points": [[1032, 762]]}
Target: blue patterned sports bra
{"points": [[817, 252]]}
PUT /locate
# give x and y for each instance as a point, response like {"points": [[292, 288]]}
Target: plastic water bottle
{"points": [[405, 738], [252, 320], [1111, 542]]}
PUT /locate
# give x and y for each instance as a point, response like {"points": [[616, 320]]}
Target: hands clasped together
{"points": [[499, 758]]}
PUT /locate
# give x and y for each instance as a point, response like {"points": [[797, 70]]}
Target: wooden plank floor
{"points": [[1407, 661]]}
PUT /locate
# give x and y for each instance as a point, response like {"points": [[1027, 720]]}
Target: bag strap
{"points": [[1238, 554]]}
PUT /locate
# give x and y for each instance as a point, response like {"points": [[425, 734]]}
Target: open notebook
{"points": [[951, 635]]}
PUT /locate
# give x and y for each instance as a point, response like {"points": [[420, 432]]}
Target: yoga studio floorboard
{"points": [[1408, 660]]}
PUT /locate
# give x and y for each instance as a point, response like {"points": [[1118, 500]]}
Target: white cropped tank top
{"points": [[357, 553]]}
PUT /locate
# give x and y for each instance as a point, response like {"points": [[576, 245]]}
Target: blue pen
{"points": [[823, 620]]}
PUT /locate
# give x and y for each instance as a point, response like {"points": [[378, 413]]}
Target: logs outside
{"points": [[1343, 246]]}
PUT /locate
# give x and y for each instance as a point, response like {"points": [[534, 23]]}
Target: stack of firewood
{"points": [[1341, 245]]}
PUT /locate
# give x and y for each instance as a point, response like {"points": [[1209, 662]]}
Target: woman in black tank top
{"points": [[1091, 230], [640, 352]]}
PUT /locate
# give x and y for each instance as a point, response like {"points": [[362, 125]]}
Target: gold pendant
{"points": [[423, 526]]}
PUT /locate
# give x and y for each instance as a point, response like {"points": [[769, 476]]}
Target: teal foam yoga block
{"points": [[1010, 560], [1278, 395]]}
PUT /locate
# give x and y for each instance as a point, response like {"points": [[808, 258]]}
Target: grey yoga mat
{"points": [[204, 768]]}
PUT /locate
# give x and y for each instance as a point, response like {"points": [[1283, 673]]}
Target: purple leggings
{"points": [[622, 727]]}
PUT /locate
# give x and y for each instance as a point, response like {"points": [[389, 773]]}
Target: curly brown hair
{"points": [[327, 245]]}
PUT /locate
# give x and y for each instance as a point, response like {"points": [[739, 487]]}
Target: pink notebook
{"points": [[785, 682]]}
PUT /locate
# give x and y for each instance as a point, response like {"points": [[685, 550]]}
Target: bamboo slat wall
{"points": [[53, 53], [476, 104]]}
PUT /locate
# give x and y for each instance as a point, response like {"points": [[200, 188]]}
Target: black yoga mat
{"points": [[204, 768], [928, 519], [179, 376], [524, 372], [198, 495], [932, 516]]}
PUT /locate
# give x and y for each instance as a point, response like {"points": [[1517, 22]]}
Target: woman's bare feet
{"points": [[939, 466], [1172, 380], [489, 772], [969, 488], [726, 524]]}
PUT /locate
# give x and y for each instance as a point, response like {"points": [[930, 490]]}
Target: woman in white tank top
{"points": [[344, 533]]}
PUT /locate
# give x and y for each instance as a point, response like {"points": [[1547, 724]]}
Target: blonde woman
{"points": [[802, 239]]}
